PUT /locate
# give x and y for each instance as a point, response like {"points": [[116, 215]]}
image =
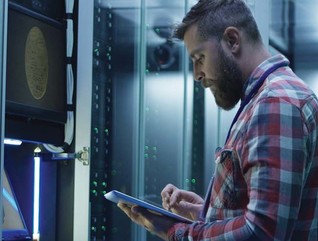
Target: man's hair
{"points": [[214, 16]]}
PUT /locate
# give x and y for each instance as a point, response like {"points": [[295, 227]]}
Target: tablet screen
{"points": [[116, 196]]}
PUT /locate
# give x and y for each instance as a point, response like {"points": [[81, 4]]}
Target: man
{"points": [[265, 185]]}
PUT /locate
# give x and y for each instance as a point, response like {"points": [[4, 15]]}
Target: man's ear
{"points": [[232, 39]]}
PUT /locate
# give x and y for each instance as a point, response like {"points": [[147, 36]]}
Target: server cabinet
{"points": [[138, 110], [147, 122], [139, 94]]}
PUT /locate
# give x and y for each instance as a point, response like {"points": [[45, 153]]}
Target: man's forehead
{"points": [[191, 39]]}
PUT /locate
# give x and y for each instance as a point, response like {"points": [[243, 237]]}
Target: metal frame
{"points": [[3, 44], [83, 119]]}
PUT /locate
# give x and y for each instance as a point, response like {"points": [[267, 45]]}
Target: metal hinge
{"points": [[82, 156]]}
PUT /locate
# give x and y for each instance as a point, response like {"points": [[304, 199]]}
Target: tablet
{"points": [[116, 196]]}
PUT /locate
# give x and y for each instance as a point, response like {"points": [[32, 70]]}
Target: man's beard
{"points": [[230, 82]]}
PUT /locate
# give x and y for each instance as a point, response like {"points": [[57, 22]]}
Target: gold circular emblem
{"points": [[36, 63]]}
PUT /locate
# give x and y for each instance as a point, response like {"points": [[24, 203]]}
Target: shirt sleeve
{"points": [[272, 152]]}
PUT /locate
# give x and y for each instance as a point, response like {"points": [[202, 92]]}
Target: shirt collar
{"points": [[257, 73]]}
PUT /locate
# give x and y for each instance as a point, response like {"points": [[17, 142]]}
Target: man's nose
{"points": [[198, 74]]}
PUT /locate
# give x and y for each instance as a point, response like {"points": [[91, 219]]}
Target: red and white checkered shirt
{"points": [[266, 177]]}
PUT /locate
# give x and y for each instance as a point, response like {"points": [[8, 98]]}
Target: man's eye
{"points": [[201, 60]]}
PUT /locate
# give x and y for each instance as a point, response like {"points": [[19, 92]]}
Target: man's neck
{"points": [[253, 56]]}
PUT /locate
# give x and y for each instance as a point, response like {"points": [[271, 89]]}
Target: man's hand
{"points": [[154, 223], [185, 203]]}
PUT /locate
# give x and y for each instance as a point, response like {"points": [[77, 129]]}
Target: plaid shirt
{"points": [[266, 177]]}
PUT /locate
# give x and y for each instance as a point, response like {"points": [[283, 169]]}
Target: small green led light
{"points": [[94, 192]]}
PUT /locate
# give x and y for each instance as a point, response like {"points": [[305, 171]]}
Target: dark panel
{"points": [[36, 76]]}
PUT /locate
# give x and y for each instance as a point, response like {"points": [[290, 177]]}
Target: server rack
{"points": [[141, 115]]}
